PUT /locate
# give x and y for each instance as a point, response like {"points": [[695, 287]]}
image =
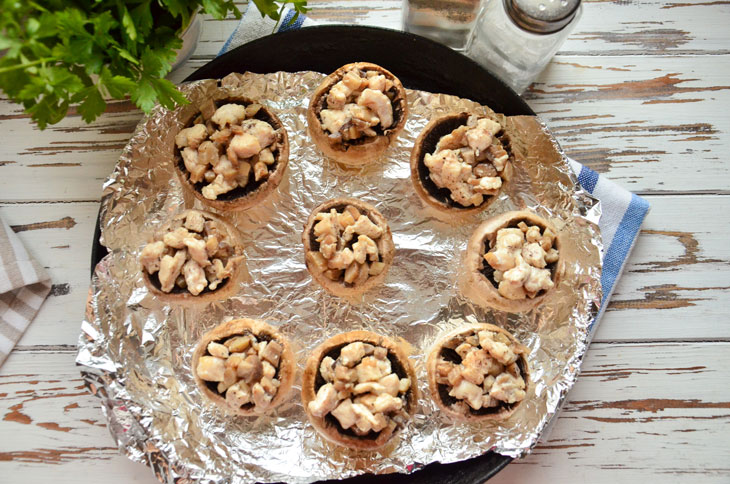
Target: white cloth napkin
{"points": [[622, 211], [24, 285]]}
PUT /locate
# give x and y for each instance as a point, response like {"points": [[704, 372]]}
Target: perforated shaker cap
{"points": [[542, 16]]}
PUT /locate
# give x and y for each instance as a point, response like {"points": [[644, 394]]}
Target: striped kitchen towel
{"points": [[622, 211], [24, 285]]}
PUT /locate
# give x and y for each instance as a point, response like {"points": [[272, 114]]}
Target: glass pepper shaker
{"points": [[515, 39]]}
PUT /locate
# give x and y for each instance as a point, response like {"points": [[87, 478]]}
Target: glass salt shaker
{"points": [[515, 39], [449, 22]]}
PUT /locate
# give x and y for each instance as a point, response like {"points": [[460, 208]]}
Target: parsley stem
{"points": [[24, 65]]}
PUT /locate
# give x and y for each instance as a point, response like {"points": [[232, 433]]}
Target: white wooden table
{"points": [[640, 92]]}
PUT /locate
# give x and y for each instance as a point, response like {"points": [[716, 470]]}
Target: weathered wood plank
{"points": [[59, 236], [643, 410], [678, 278], [607, 27], [621, 117]]}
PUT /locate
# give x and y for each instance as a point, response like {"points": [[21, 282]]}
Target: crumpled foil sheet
{"points": [[136, 352]]}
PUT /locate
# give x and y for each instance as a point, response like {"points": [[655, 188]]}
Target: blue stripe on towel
{"points": [[622, 242], [588, 179], [285, 24]]}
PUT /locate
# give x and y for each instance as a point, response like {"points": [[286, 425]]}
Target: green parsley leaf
{"points": [[92, 106]]}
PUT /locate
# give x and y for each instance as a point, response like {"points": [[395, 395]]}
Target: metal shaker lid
{"points": [[542, 16]]}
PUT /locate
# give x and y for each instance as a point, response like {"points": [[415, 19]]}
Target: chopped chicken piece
{"points": [[266, 156], [538, 280], [327, 225], [219, 186], [484, 170], [501, 259], [463, 349], [376, 268], [194, 221], [245, 145], [211, 368], [197, 251], [225, 168], [194, 165], [269, 384], [269, 370], [488, 125], [250, 369], [344, 414], [221, 137], [345, 219], [207, 154], [215, 273], [328, 246], [169, 270], [351, 354], [486, 185], [363, 226], [238, 344], [261, 398], [345, 374], [377, 82], [372, 387], [333, 274], [478, 139], [405, 385], [391, 384], [194, 277], [191, 137], [378, 102], [510, 238], [341, 259], [511, 290], [325, 401], [372, 369], [238, 394], [499, 351], [229, 378], [317, 261], [498, 156], [366, 421], [252, 109], [151, 255], [351, 273], [327, 369], [551, 256], [176, 238], [260, 170], [217, 349], [272, 352], [469, 392], [534, 255], [454, 140], [261, 130], [508, 389], [333, 120], [337, 97], [365, 247], [532, 234], [386, 403], [244, 171], [229, 114]]}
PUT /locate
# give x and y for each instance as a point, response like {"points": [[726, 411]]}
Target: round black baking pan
{"points": [[420, 64]]}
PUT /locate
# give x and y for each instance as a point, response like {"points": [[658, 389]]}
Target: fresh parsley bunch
{"points": [[55, 53]]}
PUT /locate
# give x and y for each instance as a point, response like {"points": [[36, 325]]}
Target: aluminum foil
{"points": [[136, 352]]}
